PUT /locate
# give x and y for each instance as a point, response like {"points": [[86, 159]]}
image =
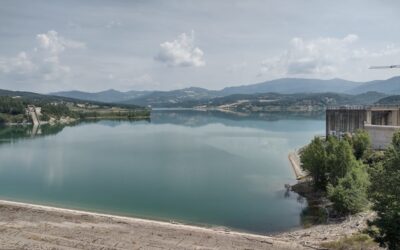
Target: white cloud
{"points": [[43, 62], [326, 56], [181, 52]]}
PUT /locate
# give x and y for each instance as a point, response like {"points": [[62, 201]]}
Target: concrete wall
{"points": [[379, 121], [344, 120], [381, 136]]}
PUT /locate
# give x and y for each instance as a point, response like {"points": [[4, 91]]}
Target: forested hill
{"points": [[276, 101], [55, 109], [35, 98], [281, 86]]}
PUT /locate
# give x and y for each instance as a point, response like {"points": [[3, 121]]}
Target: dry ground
{"points": [[24, 226]]}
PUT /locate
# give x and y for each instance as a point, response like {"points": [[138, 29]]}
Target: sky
{"points": [[55, 45]]}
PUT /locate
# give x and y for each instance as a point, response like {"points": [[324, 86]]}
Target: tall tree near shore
{"points": [[340, 160], [313, 159], [385, 195], [361, 143], [350, 193]]}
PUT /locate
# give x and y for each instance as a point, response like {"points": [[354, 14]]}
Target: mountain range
{"points": [[199, 95]]}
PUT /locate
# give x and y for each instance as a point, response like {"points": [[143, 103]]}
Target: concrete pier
{"points": [[33, 112]]}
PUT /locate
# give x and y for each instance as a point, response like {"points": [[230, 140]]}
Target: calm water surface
{"points": [[195, 167]]}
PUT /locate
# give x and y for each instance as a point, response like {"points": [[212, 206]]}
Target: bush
{"points": [[353, 242], [361, 143], [334, 168], [385, 195], [350, 194]]}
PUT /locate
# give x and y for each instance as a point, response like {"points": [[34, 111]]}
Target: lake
{"points": [[202, 168]]}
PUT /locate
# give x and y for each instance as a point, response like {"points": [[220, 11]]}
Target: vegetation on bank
{"points": [[385, 195], [13, 110], [258, 102], [355, 178], [353, 242]]}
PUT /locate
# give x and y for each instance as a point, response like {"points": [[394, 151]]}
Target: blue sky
{"points": [[57, 45]]}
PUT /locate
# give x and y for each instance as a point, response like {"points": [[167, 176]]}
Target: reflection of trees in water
{"points": [[199, 118], [313, 213], [113, 122], [13, 133]]}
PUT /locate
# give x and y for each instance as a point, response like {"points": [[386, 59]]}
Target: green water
{"points": [[204, 168]]}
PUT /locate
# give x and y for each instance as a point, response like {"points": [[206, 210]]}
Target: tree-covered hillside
{"points": [[13, 106]]}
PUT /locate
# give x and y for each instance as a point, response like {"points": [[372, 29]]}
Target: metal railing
{"points": [[363, 107], [347, 107]]}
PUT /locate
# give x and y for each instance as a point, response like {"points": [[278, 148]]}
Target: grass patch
{"points": [[355, 242]]}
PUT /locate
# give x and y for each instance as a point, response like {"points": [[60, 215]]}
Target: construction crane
{"points": [[385, 67]]}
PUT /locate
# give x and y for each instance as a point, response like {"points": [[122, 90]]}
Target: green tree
{"points": [[385, 195], [350, 194], [361, 143], [313, 159], [340, 160], [11, 106]]}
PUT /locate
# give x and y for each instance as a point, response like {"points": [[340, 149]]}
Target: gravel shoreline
{"points": [[27, 226]]}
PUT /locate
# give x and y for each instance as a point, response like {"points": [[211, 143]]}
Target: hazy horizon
{"points": [[49, 46], [219, 89]]}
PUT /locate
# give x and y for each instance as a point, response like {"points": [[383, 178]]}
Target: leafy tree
{"points": [[334, 168], [11, 106], [350, 194], [361, 143], [313, 159], [340, 160], [385, 195]]}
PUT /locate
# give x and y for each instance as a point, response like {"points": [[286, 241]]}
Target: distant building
{"points": [[379, 121]]}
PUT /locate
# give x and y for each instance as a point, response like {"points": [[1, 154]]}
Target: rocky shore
{"points": [[26, 226], [315, 236]]}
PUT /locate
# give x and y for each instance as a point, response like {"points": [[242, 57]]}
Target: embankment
{"points": [[295, 162], [26, 226]]}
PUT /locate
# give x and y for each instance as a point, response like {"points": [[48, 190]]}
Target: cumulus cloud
{"points": [[43, 61], [181, 52], [320, 57]]}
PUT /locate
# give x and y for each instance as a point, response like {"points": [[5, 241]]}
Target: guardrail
{"points": [[347, 107], [363, 107]]}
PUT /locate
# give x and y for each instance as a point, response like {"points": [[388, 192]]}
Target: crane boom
{"points": [[385, 67]]}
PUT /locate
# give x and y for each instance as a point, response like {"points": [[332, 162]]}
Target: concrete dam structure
{"points": [[379, 121]]}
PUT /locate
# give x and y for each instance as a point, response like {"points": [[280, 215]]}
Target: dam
{"points": [[380, 121]]}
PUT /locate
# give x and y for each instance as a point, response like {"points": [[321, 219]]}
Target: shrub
{"points": [[350, 194], [385, 195]]}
